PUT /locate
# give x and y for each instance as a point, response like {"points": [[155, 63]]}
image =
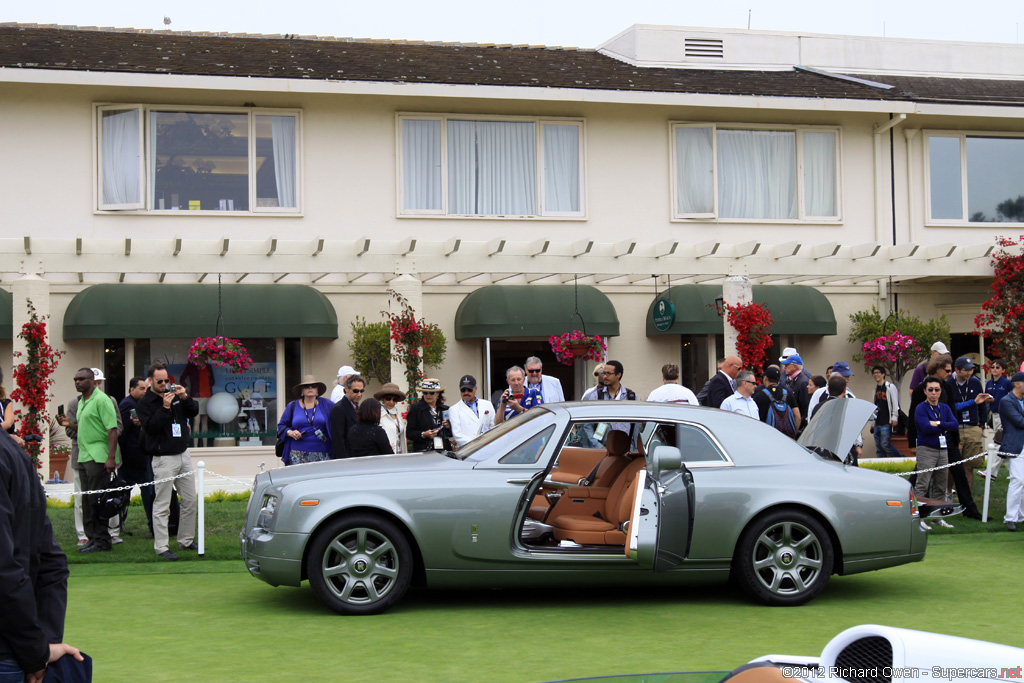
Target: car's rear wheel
{"points": [[359, 564], [784, 558]]}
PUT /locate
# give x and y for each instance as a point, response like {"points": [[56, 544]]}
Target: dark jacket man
{"points": [[156, 437], [720, 387], [33, 570]]}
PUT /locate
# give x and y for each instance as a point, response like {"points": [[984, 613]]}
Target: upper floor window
{"points": [[168, 159], [975, 178], [783, 174], [482, 166]]}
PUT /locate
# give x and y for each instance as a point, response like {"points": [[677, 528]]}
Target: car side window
{"points": [[529, 451], [695, 444]]}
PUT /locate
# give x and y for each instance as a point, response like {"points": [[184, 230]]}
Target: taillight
{"points": [[913, 504]]}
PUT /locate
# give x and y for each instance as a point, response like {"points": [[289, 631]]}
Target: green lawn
{"points": [[143, 619]]}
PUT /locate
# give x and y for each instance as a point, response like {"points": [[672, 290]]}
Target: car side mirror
{"points": [[665, 458]]}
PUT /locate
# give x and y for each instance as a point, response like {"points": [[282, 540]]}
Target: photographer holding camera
{"points": [[165, 413]]}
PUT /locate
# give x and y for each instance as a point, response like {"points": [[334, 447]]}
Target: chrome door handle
{"points": [[518, 482]]}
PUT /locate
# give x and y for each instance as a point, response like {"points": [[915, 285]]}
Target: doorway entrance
{"points": [[506, 353]]}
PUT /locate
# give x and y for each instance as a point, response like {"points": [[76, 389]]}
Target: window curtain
{"points": [[421, 165], [757, 174], [121, 157], [561, 169], [492, 168], [695, 184], [820, 174], [283, 139]]}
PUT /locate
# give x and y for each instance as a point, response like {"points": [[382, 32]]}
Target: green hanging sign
{"points": [[663, 315]]}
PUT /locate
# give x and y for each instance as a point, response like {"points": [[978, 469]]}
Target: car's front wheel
{"points": [[359, 564], [784, 558]]}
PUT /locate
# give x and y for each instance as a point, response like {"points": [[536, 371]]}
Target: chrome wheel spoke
{"points": [[338, 547], [766, 563], [340, 569], [371, 590], [804, 542], [384, 547], [360, 540], [810, 563], [386, 572]]}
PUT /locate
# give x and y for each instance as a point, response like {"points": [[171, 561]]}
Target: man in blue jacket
{"points": [[971, 413], [1012, 410], [33, 573]]}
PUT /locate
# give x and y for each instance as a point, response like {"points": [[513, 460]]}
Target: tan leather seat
{"points": [[589, 530]]}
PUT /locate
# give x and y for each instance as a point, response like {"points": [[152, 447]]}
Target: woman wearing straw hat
{"points": [[427, 426], [304, 425], [390, 417]]}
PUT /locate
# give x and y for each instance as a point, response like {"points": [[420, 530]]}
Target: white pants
{"points": [[115, 527], [1015, 494], [994, 461], [169, 466]]}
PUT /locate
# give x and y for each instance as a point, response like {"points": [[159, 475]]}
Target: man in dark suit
{"points": [[343, 415], [722, 385]]}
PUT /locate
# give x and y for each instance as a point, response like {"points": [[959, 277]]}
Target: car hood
{"points": [[376, 464], [836, 425]]}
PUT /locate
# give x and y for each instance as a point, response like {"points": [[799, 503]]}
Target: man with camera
{"points": [[165, 413]]}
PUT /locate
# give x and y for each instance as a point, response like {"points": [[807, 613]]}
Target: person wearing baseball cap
{"points": [[1011, 409], [344, 372], [794, 379], [971, 412], [471, 416], [938, 349]]}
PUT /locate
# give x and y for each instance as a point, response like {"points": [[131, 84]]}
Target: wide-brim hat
{"points": [[309, 380], [430, 384], [390, 389]]}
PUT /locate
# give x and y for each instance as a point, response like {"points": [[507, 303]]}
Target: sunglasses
{"points": [[934, 390], [357, 391], [534, 372], [161, 381], [389, 398], [467, 390]]}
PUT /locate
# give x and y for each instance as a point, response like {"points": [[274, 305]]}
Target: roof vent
{"points": [[704, 48]]}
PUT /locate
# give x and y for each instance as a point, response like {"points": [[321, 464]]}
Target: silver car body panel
{"points": [[463, 516]]}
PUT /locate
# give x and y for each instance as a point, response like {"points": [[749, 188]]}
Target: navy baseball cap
{"points": [[842, 368]]}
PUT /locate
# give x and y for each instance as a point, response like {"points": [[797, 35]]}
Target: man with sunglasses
{"points": [[471, 416], [165, 413], [540, 388], [343, 415]]}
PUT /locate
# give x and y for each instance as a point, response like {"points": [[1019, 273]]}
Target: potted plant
{"points": [[572, 345], [220, 351]]}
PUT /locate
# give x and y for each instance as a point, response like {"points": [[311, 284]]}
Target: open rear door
{"points": [[642, 544]]}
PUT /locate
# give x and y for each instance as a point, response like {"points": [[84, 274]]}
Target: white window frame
{"points": [[962, 136], [802, 215], [540, 121], [146, 206]]}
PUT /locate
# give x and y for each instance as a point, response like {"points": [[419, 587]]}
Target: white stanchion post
{"points": [[201, 507], [992, 450]]}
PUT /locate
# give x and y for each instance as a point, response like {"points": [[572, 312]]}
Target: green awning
{"points": [[183, 311], [796, 309], [6, 315], [515, 311]]}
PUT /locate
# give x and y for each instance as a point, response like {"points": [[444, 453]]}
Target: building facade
{"points": [[501, 189]]}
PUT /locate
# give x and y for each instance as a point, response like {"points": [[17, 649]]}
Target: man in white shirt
{"points": [[742, 401], [344, 372], [671, 391], [550, 387], [471, 416]]}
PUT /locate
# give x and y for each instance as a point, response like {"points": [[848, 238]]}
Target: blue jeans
{"points": [[10, 672], [883, 442]]}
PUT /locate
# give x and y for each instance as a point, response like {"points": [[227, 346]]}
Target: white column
{"points": [[32, 287], [411, 288], [735, 291]]}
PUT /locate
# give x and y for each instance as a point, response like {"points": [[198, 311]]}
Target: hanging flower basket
{"points": [[572, 345], [221, 352]]}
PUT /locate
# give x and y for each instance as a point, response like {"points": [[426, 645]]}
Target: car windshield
{"points": [[477, 450]]}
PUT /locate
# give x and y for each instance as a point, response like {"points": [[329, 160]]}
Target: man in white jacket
{"points": [[471, 416], [550, 387]]}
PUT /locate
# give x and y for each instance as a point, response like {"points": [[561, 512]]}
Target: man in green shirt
{"points": [[97, 454]]}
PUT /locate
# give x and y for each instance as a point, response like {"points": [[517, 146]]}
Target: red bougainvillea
{"points": [[415, 340], [34, 379], [1002, 319], [751, 322]]}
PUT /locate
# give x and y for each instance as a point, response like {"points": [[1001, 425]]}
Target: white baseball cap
{"points": [[940, 347], [97, 374], [346, 370], [787, 352]]}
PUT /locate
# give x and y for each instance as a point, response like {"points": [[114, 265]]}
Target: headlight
{"points": [[267, 510]]}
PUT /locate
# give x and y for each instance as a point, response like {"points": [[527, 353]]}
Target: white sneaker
{"points": [[114, 540], [925, 527], [943, 523]]}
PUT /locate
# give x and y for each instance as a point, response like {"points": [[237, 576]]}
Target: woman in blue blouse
{"points": [[933, 419], [304, 424]]}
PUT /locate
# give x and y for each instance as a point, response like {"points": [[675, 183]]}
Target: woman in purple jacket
{"points": [[933, 419], [304, 424]]}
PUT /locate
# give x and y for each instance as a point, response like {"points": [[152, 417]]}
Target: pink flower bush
{"points": [[560, 346], [894, 352], [220, 351]]}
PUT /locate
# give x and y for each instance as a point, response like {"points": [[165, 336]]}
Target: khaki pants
{"points": [[928, 457], [169, 466], [971, 444]]}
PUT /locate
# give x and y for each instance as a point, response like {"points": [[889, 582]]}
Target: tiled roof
{"points": [[130, 51], [72, 48]]}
